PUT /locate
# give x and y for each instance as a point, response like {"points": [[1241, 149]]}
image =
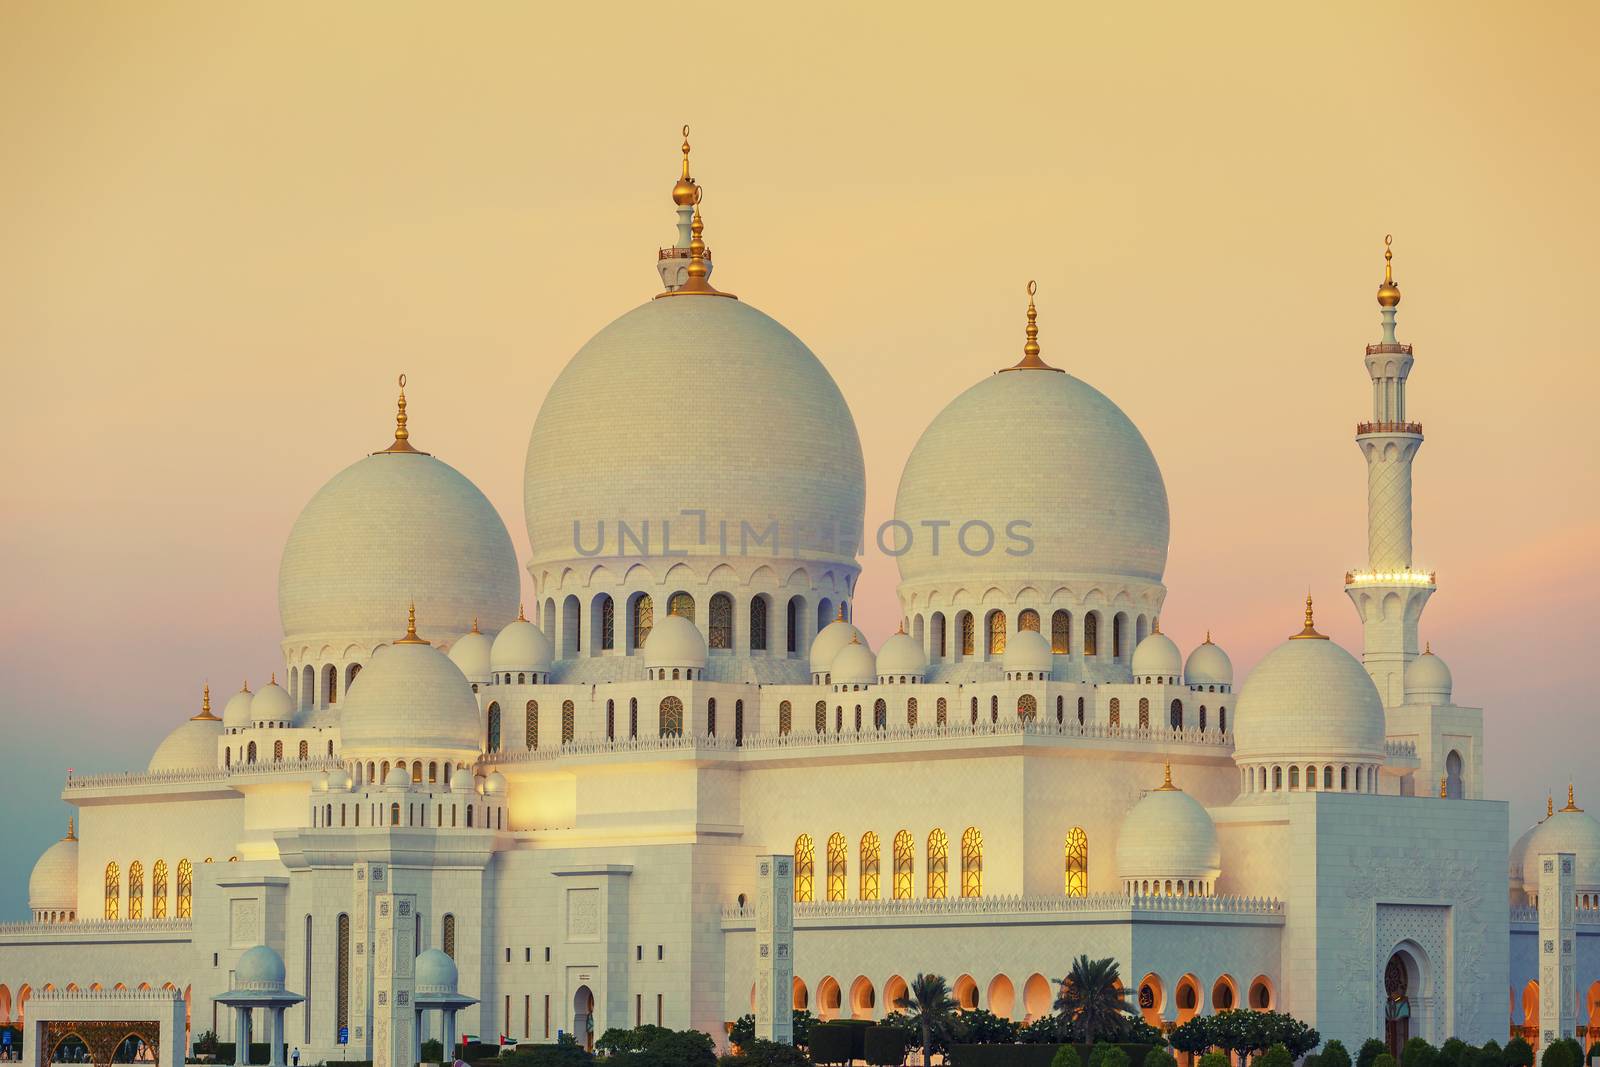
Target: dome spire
{"points": [[522, 615], [1388, 292], [1571, 800], [1167, 786], [1310, 631], [685, 193], [1155, 625], [205, 707], [1030, 350], [72, 834], [1444, 790], [402, 436], [1549, 805], [411, 637], [697, 282]]}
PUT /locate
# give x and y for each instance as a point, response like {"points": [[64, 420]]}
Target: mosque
{"points": [[585, 805]]}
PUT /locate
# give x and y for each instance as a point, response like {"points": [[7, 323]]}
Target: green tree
{"points": [[801, 1025], [1371, 1049], [744, 1030], [1092, 998], [1106, 1055], [1159, 1057], [1196, 1036], [1518, 1053], [1215, 1059], [1418, 1053], [1383, 1059], [759, 1053], [1066, 1056], [1488, 1057], [928, 1004], [1334, 1055], [1558, 1054], [1276, 1056], [981, 1027], [1455, 1053]]}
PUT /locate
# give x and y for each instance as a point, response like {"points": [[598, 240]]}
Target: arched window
{"points": [[671, 717], [1454, 779], [1091, 634], [1061, 710], [997, 633], [968, 633], [870, 849], [792, 624], [858, 718], [822, 716], [608, 623], [350, 675], [805, 860], [1080, 711], [972, 862], [941, 712], [394, 813], [158, 890], [758, 624], [1277, 778], [738, 723], [494, 731], [531, 727], [1144, 713], [721, 621], [1027, 708], [330, 678], [633, 718], [1028, 620], [974, 711], [1327, 777], [785, 718], [113, 889], [185, 889], [1294, 777], [569, 724], [250, 753], [449, 937], [277, 752], [1116, 713], [836, 866], [1222, 720], [938, 865], [1344, 779], [1202, 718], [911, 711], [905, 864], [711, 717], [305, 751], [681, 603], [644, 617], [135, 890], [1119, 622], [880, 714], [1077, 862], [1177, 715], [994, 708], [1061, 632], [342, 975]]}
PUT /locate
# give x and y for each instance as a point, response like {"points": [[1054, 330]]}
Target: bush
{"points": [[1384, 1060], [744, 1031], [1456, 1053], [1276, 1056], [560, 1055], [1160, 1057], [980, 1027], [1418, 1053], [1518, 1053], [884, 1045], [1215, 1059], [1012, 1055], [1109, 1056], [1371, 1049], [432, 1051], [1066, 1056], [759, 1053], [1488, 1057], [831, 1043], [1334, 1055], [1558, 1054]]}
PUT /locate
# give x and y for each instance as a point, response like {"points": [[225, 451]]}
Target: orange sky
{"points": [[228, 226]]}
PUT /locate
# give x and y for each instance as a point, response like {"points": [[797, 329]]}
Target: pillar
{"points": [[775, 949], [1558, 984], [393, 976], [449, 1039], [275, 1053]]}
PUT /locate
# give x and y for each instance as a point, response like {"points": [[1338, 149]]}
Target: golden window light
{"points": [[1144, 713], [1027, 707], [135, 890], [972, 862], [1116, 712], [671, 717], [113, 889], [905, 863], [1028, 620], [911, 711], [569, 723], [185, 889], [1091, 634], [938, 865], [644, 614], [837, 853], [785, 718], [870, 850], [682, 604], [608, 623], [968, 633], [997, 632], [805, 858], [1061, 632], [158, 890], [1077, 849], [531, 726], [721, 628]]}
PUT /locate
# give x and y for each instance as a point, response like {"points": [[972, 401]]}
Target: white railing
{"points": [[45, 996], [1034, 905], [1401, 748], [593, 746], [197, 775], [101, 926], [1523, 913]]}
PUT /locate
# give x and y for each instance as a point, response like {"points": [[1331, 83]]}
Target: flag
{"points": [[504, 1040]]}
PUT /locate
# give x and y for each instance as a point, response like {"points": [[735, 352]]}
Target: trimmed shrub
{"points": [[1518, 1053], [1456, 1053], [432, 1050], [1160, 1057], [831, 1043], [1384, 1060], [1371, 1049], [1333, 1054], [1488, 1057], [1418, 1053], [1558, 1054], [1011, 1055], [1066, 1056], [883, 1046], [1110, 1056], [759, 1053], [1215, 1059], [1276, 1056]]}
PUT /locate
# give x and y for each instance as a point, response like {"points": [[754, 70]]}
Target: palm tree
{"points": [[1092, 997], [928, 1004]]}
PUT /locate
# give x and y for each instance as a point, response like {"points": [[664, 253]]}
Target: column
{"points": [[1557, 948], [241, 1036], [393, 976], [775, 949], [275, 1054], [449, 1038]]}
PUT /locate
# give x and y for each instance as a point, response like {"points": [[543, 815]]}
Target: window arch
{"points": [[721, 627], [569, 722], [785, 718], [608, 623], [758, 624], [277, 751], [1027, 707], [972, 862], [738, 722], [342, 974], [905, 864], [1091, 634], [1077, 849], [996, 633], [113, 889], [449, 936], [633, 718], [1294, 777], [836, 866], [135, 890], [158, 890], [531, 726], [1177, 715], [822, 716], [1202, 718], [1115, 719], [941, 712], [711, 717], [792, 616], [870, 849], [493, 744], [911, 711], [671, 717], [250, 752], [994, 708], [1454, 776], [1080, 711], [1144, 713], [185, 889], [643, 618], [330, 677], [938, 865], [681, 603], [805, 859], [1222, 720], [305, 751], [974, 711], [968, 633], [1061, 632], [880, 714], [1028, 620]]}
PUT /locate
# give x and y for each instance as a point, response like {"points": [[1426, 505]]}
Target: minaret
{"points": [[1388, 594], [673, 263]]}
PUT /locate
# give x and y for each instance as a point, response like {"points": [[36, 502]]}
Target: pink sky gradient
{"points": [[229, 227]]}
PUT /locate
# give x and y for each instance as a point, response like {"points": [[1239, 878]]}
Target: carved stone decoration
{"points": [[102, 1039]]}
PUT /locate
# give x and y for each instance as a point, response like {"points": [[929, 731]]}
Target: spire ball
{"points": [[411, 637], [1388, 292], [685, 192], [1310, 630], [402, 436], [1030, 350]]}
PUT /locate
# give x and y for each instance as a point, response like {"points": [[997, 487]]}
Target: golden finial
{"points": [[840, 616], [902, 630], [205, 707], [1030, 350], [1549, 805], [1310, 632], [475, 625], [1167, 786], [274, 679], [1208, 637], [71, 830], [1571, 800], [245, 688], [1388, 292], [684, 193], [1155, 625], [522, 615], [1427, 648], [411, 637], [402, 436], [1444, 791], [697, 283]]}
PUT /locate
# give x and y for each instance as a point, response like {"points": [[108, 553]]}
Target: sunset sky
{"points": [[227, 227]]}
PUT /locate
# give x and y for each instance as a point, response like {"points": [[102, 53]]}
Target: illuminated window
{"points": [[608, 623], [870, 850], [113, 889], [822, 716], [941, 712], [1116, 712], [758, 624], [644, 617], [721, 621], [972, 862], [805, 859], [681, 603], [905, 863], [968, 633], [911, 711], [785, 719], [158, 890], [1077, 862], [1027, 708], [185, 889], [1091, 634], [938, 865], [997, 632], [1144, 713], [569, 723], [135, 890], [494, 732], [1061, 632], [672, 717], [1028, 620], [532, 726], [450, 936], [836, 867]]}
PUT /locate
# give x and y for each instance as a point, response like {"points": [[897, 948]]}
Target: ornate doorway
{"points": [[583, 1017], [1396, 1005], [103, 1043]]}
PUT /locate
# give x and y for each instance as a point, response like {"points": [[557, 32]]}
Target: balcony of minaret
{"points": [[1388, 427], [1425, 579], [1383, 347]]}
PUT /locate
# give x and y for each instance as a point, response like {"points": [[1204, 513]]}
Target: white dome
{"points": [[675, 642], [461, 782], [193, 744], [1518, 851], [734, 416], [399, 777], [410, 700], [236, 712], [1096, 502], [1157, 657], [1168, 834], [53, 885], [1027, 650], [1208, 665], [1428, 680], [521, 646], [260, 968], [1569, 830], [1309, 699], [829, 640], [854, 665], [337, 781], [495, 784], [471, 652], [272, 704], [901, 655], [388, 530], [436, 972]]}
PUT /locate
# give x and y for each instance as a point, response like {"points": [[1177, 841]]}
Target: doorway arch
{"points": [[1405, 993], [583, 1017]]}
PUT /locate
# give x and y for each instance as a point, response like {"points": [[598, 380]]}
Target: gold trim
{"points": [[71, 833], [411, 637], [402, 442], [1310, 631], [1571, 802], [1167, 786], [1388, 292], [697, 284], [1030, 350], [684, 193], [1444, 793], [205, 708]]}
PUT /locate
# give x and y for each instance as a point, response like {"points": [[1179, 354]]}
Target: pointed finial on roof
{"points": [[402, 442], [71, 830], [1571, 800], [475, 629], [274, 680], [205, 707], [840, 617], [1549, 805], [1166, 785], [697, 282], [1427, 648], [684, 193], [1444, 788], [411, 637], [1208, 637], [1310, 631], [1388, 292], [1155, 625], [1030, 350], [522, 615], [901, 631], [245, 688]]}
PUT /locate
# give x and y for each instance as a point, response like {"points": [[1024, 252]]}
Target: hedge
{"points": [[1029, 1055], [884, 1046]]}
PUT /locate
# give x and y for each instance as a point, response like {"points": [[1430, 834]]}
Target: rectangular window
{"points": [[659, 998], [660, 952], [547, 1015], [547, 953], [527, 1014], [508, 1015], [638, 1010], [638, 952], [508, 953], [527, 954]]}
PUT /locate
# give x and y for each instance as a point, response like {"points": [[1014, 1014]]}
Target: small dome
{"points": [[1027, 650], [829, 640], [193, 744], [461, 782], [495, 784], [1168, 834], [1208, 665], [272, 704], [1517, 854], [53, 885], [1428, 680], [1157, 657], [236, 712], [675, 642], [436, 972], [472, 653], [260, 968], [1570, 829], [411, 699], [338, 781], [854, 665], [521, 646], [901, 655], [399, 777]]}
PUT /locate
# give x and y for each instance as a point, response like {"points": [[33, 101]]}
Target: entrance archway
{"points": [[583, 1017], [1404, 996]]}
